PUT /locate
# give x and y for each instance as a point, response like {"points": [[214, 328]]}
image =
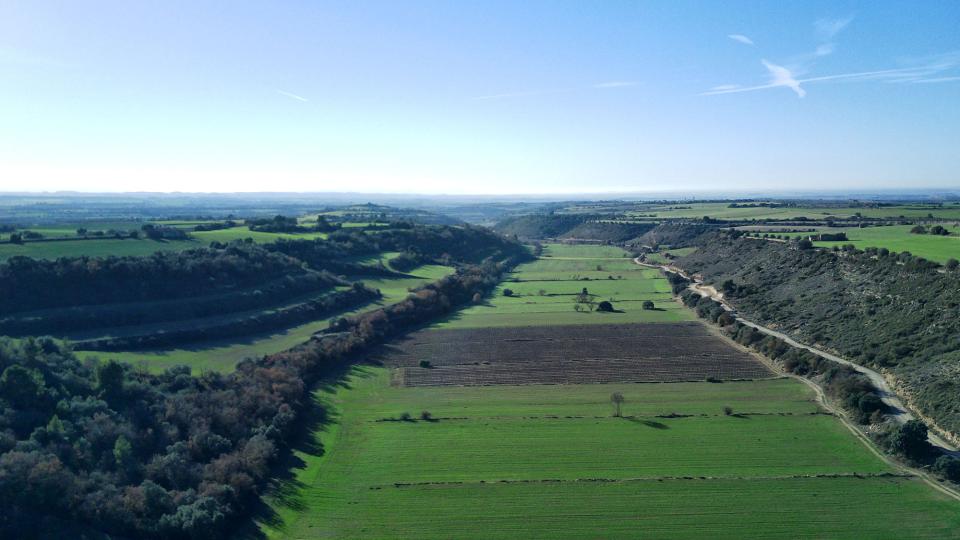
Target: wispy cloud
{"points": [[828, 28], [781, 76], [936, 80], [616, 84], [291, 95], [724, 87], [741, 38], [932, 70]]}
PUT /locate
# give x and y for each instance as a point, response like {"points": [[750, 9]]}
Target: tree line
{"points": [[101, 446]]}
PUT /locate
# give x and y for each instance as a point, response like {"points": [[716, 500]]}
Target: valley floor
{"points": [[407, 456]]}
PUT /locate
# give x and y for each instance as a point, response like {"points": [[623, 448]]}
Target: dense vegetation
{"points": [[29, 284], [579, 227], [887, 310], [103, 446]]}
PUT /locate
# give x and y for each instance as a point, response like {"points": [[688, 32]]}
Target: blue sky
{"points": [[478, 97]]}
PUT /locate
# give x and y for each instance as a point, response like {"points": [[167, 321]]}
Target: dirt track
{"points": [[899, 412]]}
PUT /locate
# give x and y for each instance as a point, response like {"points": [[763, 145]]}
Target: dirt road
{"points": [[898, 411]]}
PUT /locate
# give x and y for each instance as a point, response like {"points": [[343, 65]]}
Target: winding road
{"points": [[898, 411]]}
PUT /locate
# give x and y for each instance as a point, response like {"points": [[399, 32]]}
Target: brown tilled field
{"points": [[569, 355]]}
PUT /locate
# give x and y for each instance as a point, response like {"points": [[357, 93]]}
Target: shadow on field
{"points": [[649, 423], [284, 489]]}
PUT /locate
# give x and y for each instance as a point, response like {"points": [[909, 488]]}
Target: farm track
{"points": [[901, 414]]}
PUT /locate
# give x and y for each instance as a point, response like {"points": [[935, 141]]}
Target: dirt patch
{"points": [[568, 355]]}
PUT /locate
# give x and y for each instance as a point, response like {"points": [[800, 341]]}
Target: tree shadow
{"points": [[649, 423], [284, 489]]}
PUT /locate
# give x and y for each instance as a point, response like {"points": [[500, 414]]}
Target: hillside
{"points": [[892, 312], [572, 227]]}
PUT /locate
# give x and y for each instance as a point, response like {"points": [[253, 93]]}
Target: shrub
{"points": [[947, 467], [728, 411], [405, 416], [426, 415], [426, 364], [508, 292], [910, 440], [648, 304], [605, 306]]}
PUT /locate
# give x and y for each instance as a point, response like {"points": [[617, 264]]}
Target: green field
{"points": [[223, 355], [551, 462], [722, 210], [898, 238], [545, 289], [136, 246], [583, 251], [658, 258]]}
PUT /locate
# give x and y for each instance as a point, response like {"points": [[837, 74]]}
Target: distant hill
{"points": [[570, 227], [376, 212]]}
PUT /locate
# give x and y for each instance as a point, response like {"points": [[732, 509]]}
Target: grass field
{"points": [[137, 246], [223, 355], [583, 251], [551, 462], [898, 238], [545, 289], [723, 211], [659, 258]]}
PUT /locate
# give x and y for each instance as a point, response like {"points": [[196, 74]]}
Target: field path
{"points": [[899, 411]]}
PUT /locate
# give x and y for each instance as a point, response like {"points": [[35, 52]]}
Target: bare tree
{"points": [[617, 399]]}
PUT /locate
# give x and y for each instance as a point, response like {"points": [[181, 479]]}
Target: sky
{"points": [[490, 97]]}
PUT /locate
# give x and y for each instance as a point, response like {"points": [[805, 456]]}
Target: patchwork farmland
{"points": [[498, 423]]}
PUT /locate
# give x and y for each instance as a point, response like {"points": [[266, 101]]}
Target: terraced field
{"points": [[422, 452], [223, 354]]}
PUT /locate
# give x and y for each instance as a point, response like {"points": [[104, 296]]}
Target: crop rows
{"points": [[568, 355]]}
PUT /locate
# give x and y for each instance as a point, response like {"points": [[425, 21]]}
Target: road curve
{"points": [[898, 411]]}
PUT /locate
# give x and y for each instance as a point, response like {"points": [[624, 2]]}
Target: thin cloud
{"points": [[824, 49], [935, 80], [616, 84], [782, 77], [741, 39], [828, 28], [724, 87], [291, 95]]}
